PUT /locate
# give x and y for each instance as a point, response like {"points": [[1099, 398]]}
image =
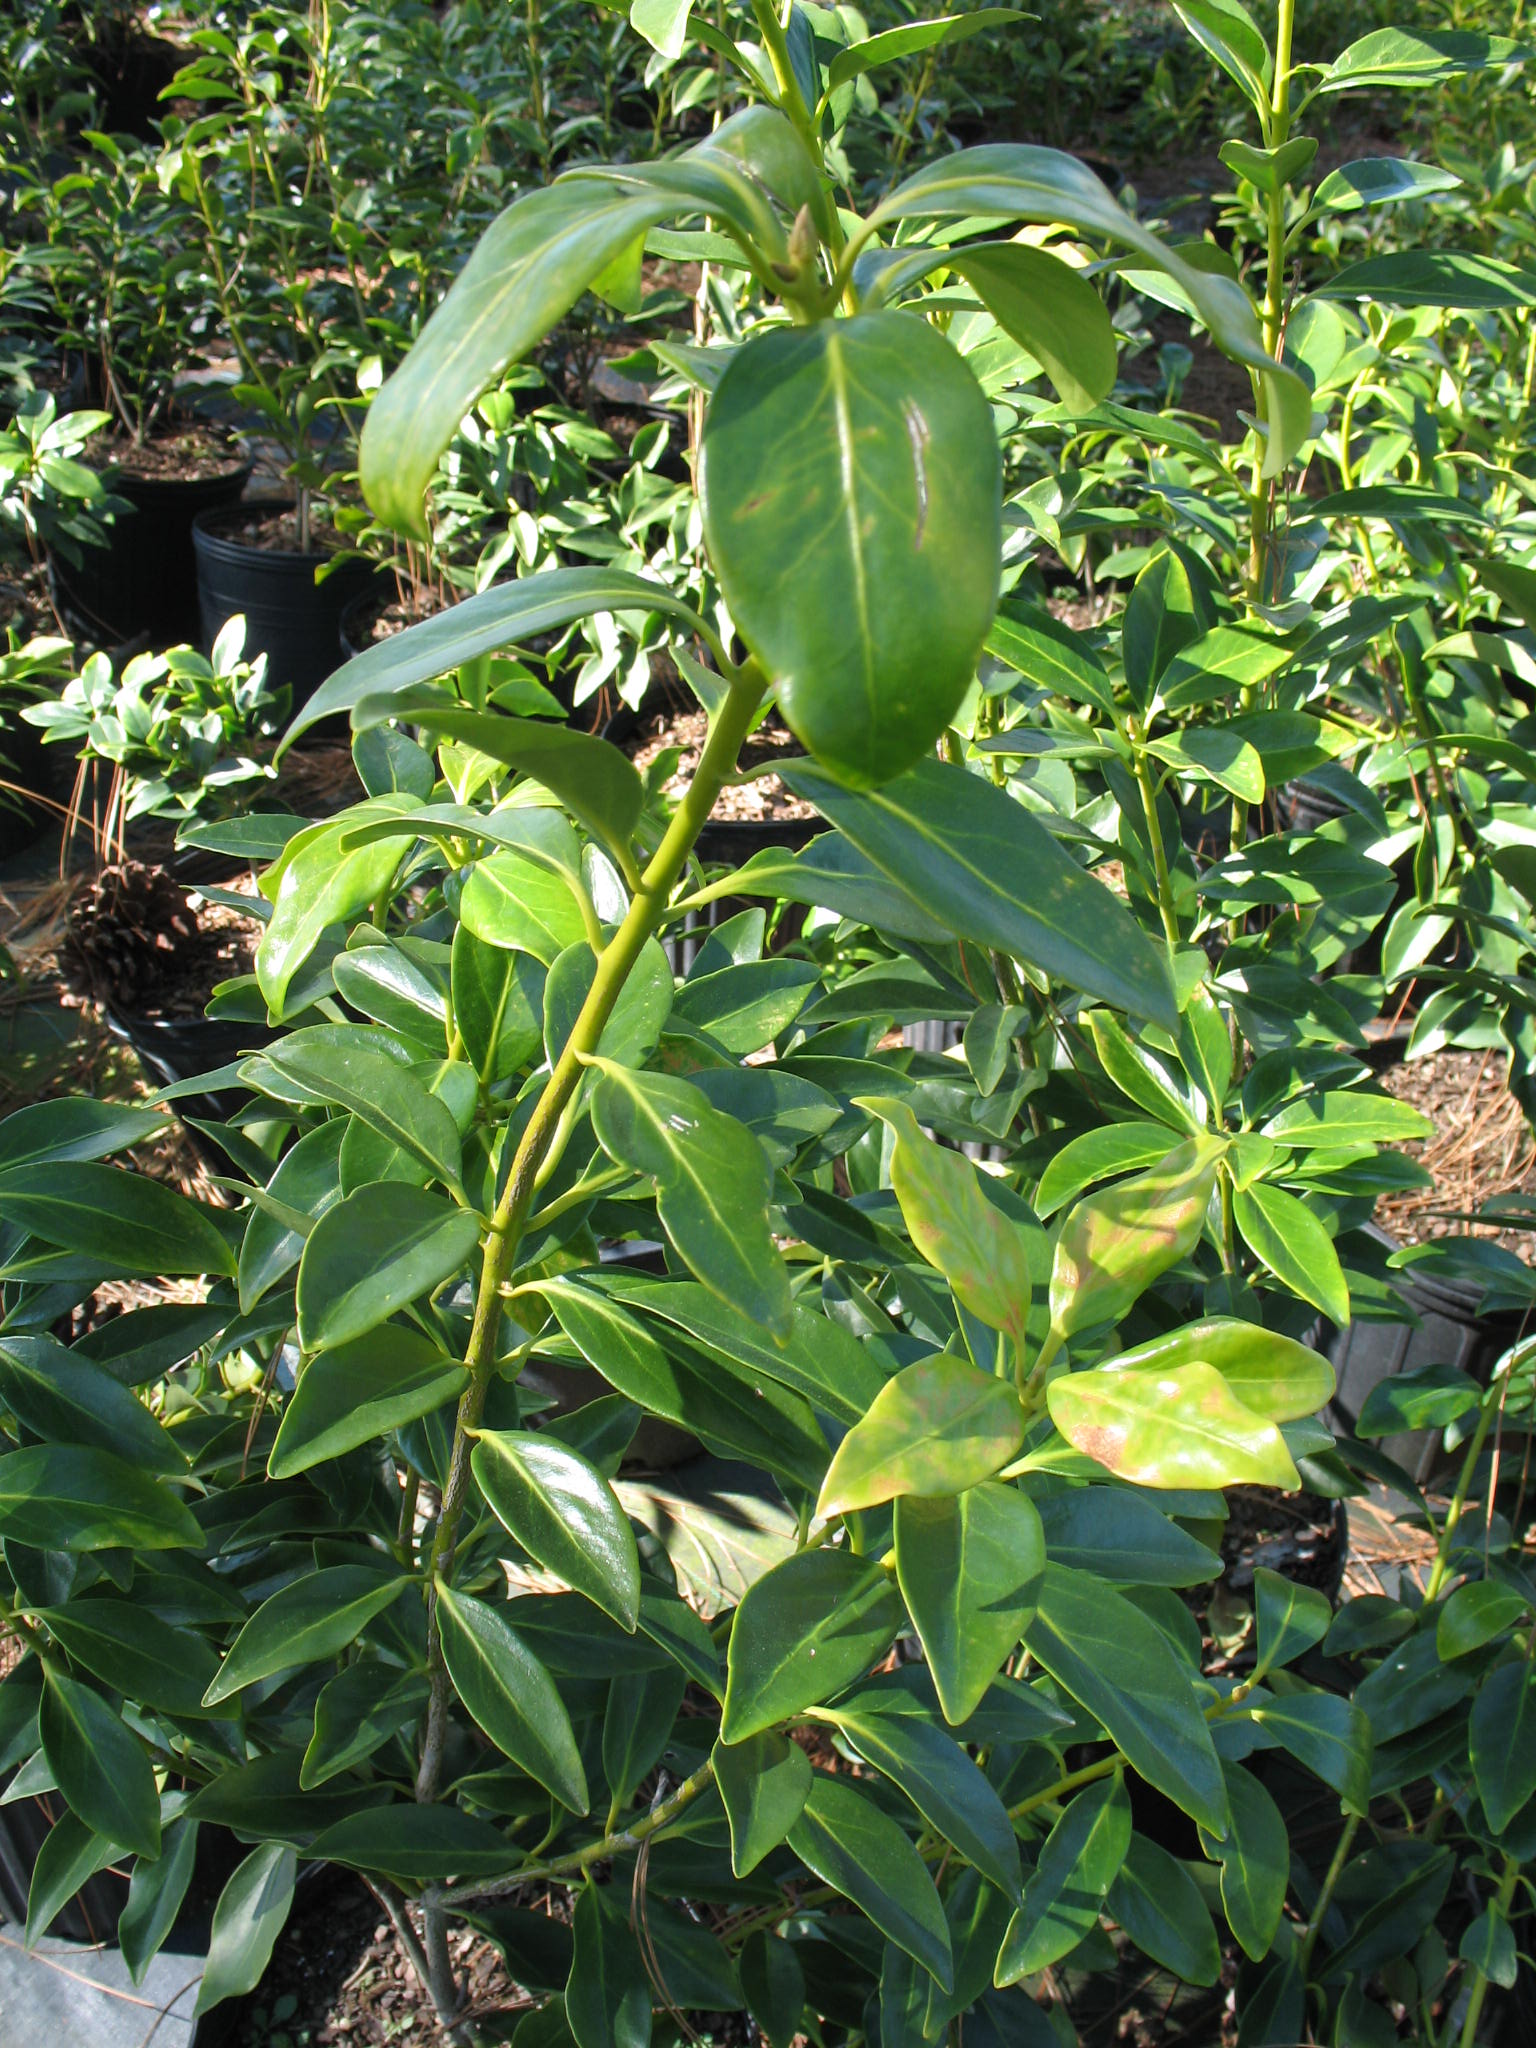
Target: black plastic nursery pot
{"points": [[1450, 1331], [28, 772], [91, 1915], [177, 1049], [144, 580], [289, 617]]}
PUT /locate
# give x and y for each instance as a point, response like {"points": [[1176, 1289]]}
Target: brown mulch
{"points": [[1482, 1147], [760, 801], [186, 454]]}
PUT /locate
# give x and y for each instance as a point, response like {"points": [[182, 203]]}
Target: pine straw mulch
{"points": [[762, 800], [1481, 1148]]}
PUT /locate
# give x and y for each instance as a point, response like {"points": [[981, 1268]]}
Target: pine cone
{"points": [[121, 933]]}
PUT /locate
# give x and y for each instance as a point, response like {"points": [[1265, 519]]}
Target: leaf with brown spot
{"points": [[937, 1428], [1178, 1428], [1115, 1243]]}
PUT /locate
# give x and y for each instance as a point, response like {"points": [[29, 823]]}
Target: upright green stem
{"points": [[1325, 1897], [1502, 1899], [1453, 1514], [1160, 868], [645, 913]]}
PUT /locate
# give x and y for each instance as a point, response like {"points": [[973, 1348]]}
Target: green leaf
{"points": [[850, 483], [1018, 181], [712, 1180], [637, 1726], [969, 1570], [1228, 31], [1343, 1116], [1284, 1235], [1163, 615], [155, 1894], [1289, 1618], [129, 1648], [608, 1998], [745, 1007], [1503, 1742], [1159, 1906], [1414, 57], [938, 1427], [564, 1513], [805, 1630], [357, 1712], [1329, 1736], [635, 1023], [1489, 1945], [1380, 181], [72, 1497], [1123, 1537], [314, 885], [1050, 655], [832, 874], [304, 1623], [308, 1181], [1177, 1427], [498, 1005], [763, 1782], [1048, 308], [1212, 755], [74, 1127], [358, 1391], [378, 1250], [975, 857], [510, 1694], [852, 1846], [1218, 664], [1119, 1665], [249, 1917], [594, 781], [1434, 277], [774, 1985], [386, 1096], [61, 1396], [741, 1417], [1079, 1861], [125, 1219], [417, 1844], [940, 1779], [1114, 1244], [1270, 1374], [1098, 1155], [1255, 1862], [892, 44], [1474, 1614], [991, 1260], [526, 908], [663, 23], [70, 1853], [101, 1768]]}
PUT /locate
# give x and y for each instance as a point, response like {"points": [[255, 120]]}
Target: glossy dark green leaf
{"points": [[1474, 1614], [745, 1007], [1289, 1618], [1434, 277], [637, 1727], [498, 1005], [417, 1844], [941, 1780], [938, 1427], [249, 1917], [101, 1768], [833, 874], [61, 1396], [969, 1570], [1282, 1232], [1330, 1736], [127, 1219], [850, 482], [1503, 1742], [806, 1629], [313, 885], [510, 1694], [971, 854], [73, 1497], [376, 1251], [763, 1781], [386, 1096], [359, 1391], [304, 1623], [70, 1853], [635, 1023], [1158, 1904], [155, 1895], [712, 1185], [1048, 308], [308, 1181], [74, 1127], [1255, 1862], [1421, 1397], [1124, 1538], [774, 1984], [383, 982], [1118, 1665], [525, 907], [129, 1648], [1098, 1155], [356, 1713], [564, 1513], [1079, 1861], [608, 1998], [740, 1417], [1415, 57], [854, 1847]]}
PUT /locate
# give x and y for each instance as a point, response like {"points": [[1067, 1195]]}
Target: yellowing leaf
{"points": [[1183, 1428], [937, 1428], [1115, 1243]]}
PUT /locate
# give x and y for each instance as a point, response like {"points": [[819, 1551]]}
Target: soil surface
{"points": [[381, 617], [275, 527], [1482, 1147], [183, 455], [763, 800]]}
